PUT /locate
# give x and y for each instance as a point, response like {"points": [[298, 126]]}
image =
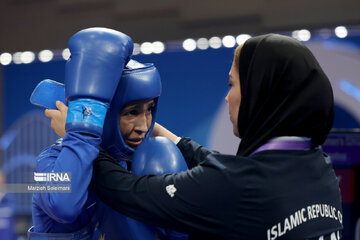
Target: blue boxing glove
{"points": [[157, 155], [47, 92], [98, 57]]}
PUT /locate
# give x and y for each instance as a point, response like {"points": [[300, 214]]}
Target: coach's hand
{"points": [[58, 118], [160, 131]]}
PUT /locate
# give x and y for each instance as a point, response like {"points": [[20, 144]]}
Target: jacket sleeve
{"points": [[193, 152], [75, 156], [187, 201]]}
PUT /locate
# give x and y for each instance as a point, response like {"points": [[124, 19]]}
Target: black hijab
{"points": [[284, 93]]}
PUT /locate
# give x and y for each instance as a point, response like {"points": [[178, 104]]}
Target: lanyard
{"points": [[278, 144]]}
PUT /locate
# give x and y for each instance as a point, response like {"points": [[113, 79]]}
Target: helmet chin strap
{"points": [[125, 153], [121, 158]]}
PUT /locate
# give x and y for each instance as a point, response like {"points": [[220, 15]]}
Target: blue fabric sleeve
{"points": [[74, 155]]}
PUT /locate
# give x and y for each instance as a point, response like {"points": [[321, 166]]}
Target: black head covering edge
{"points": [[284, 93]]}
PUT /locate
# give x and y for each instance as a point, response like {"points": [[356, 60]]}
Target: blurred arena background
{"points": [[191, 43]]}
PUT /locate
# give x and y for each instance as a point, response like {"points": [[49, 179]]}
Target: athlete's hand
{"points": [[58, 118]]}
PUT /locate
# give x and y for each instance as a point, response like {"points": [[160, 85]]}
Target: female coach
{"points": [[279, 185]]}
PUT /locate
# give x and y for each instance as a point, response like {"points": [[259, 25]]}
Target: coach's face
{"points": [[233, 98]]}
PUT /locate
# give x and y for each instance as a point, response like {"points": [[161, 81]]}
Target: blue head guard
{"points": [[138, 82]]}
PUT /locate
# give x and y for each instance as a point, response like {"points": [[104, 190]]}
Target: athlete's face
{"points": [[135, 120], [233, 97]]}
